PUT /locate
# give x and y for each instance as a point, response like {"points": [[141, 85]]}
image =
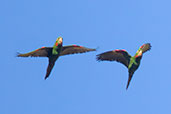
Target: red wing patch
{"points": [[142, 46], [37, 49], [119, 50], [116, 50], [77, 46]]}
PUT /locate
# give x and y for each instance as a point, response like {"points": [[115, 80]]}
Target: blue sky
{"points": [[78, 83]]}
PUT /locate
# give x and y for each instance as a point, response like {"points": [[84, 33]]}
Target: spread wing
{"points": [[73, 49], [41, 52], [116, 55], [145, 47]]}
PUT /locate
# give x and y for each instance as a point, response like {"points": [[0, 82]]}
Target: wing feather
{"points": [[41, 52], [116, 55], [145, 47], [73, 49]]}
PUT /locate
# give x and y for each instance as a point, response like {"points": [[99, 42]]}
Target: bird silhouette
{"points": [[54, 52], [122, 56]]}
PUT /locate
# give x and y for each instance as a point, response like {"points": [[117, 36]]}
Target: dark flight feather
{"points": [[116, 55], [145, 47], [41, 52], [73, 49]]}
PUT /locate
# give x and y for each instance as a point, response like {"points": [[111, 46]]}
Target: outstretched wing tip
{"points": [[75, 49], [146, 47], [91, 49], [149, 44], [98, 58], [17, 54], [97, 48]]}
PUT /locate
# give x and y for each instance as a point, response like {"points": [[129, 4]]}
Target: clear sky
{"points": [[78, 83]]}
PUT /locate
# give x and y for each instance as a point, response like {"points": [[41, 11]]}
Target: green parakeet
{"points": [[54, 52], [122, 56]]}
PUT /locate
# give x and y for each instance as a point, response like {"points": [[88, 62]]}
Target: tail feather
{"points": [[49, 69], [129, 79]]}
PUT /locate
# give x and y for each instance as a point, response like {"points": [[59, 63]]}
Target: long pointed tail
{"points": [[49, 69], [129, 79]]}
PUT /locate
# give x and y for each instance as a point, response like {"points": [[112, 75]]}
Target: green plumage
{"points": [[57, 47], [53, 53], [132, 61], [122, 56]]}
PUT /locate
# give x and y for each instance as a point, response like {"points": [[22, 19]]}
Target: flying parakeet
{"points": [[54, 52], [122, 56]]}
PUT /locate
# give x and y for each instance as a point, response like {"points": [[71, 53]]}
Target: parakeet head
{"points": [[59, 41]]}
